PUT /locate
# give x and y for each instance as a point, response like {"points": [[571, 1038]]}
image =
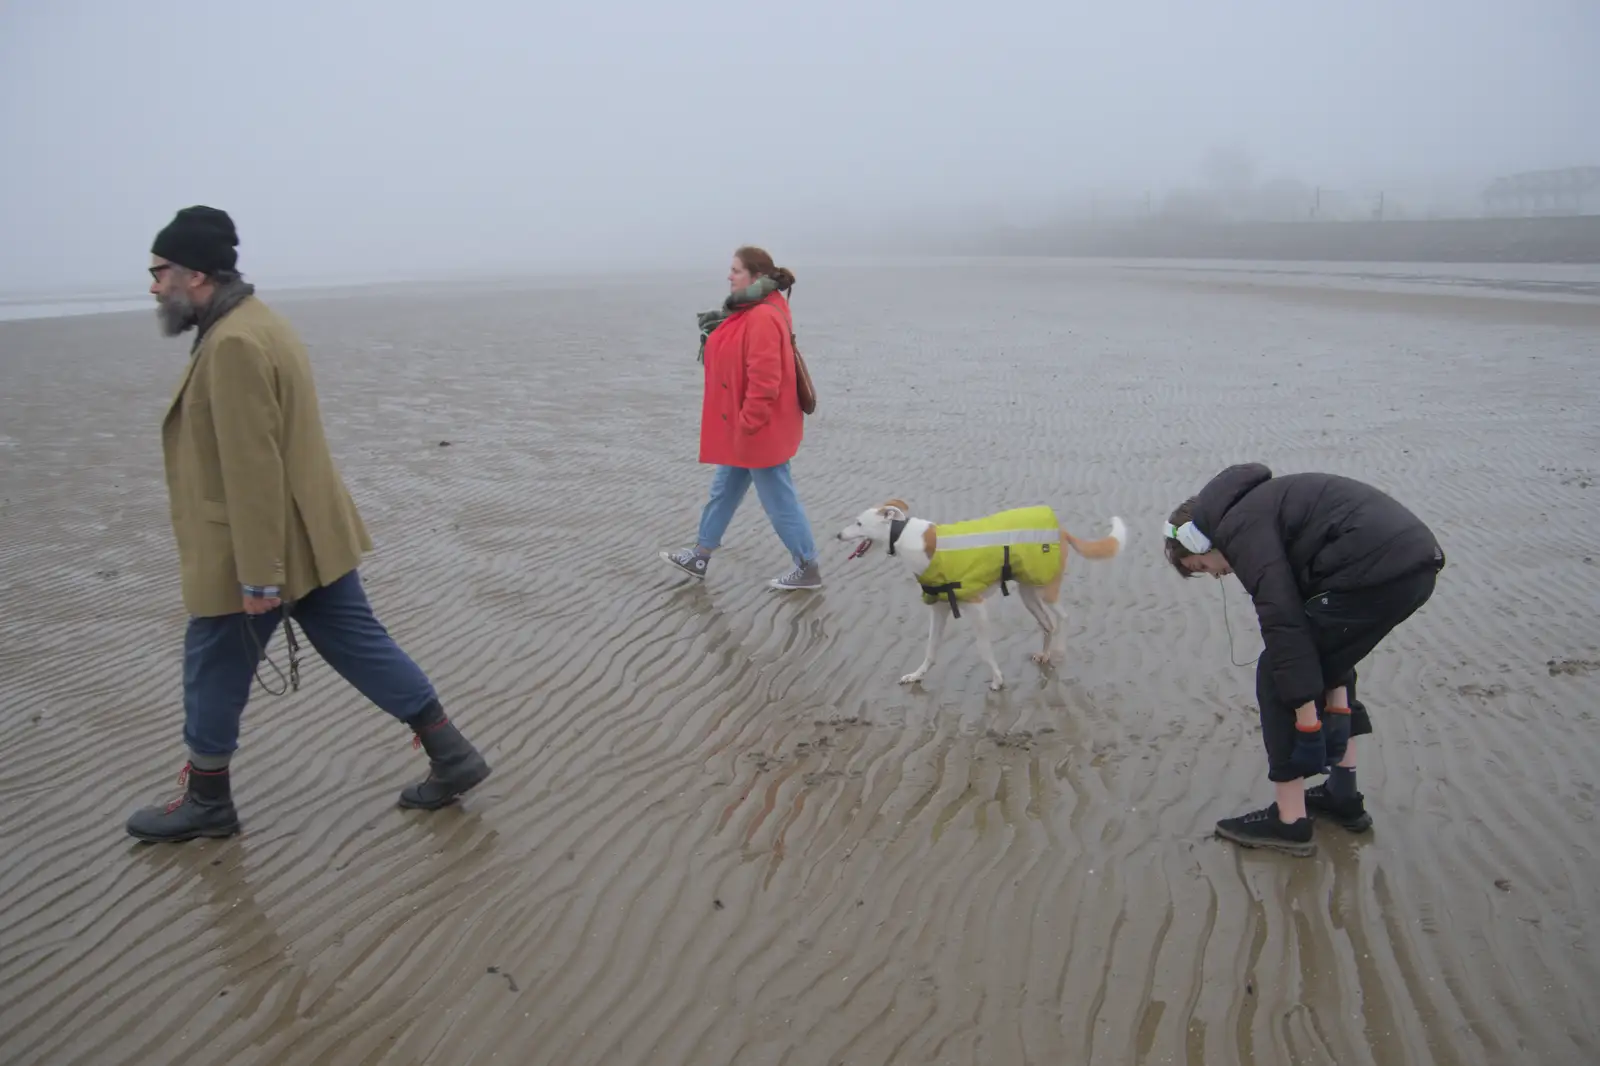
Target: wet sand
{"points": [[718, 830]]}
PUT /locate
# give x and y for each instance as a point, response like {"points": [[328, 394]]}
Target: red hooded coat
{"points": [[750, 414]]}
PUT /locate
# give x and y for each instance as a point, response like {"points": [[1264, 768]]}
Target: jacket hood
{"points": [[1225, 490]]}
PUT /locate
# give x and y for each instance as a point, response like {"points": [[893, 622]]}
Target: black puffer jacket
{"points": [[1294, 537]]}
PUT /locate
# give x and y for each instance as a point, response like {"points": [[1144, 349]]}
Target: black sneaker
{"points": [[1264, 829], [1350, 813], [689, 561]]}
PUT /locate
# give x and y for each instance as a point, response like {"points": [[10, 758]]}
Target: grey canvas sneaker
{"points": [[689, 561], [808, 576]]}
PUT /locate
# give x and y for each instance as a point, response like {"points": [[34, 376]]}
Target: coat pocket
{"points": [[214, 511]]}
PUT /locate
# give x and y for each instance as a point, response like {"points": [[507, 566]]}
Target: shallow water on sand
{"points": [[718, 830]]}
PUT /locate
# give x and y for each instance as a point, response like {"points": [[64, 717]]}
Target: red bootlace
{"points": [[416, 737], [416, 741], [183, 783]]}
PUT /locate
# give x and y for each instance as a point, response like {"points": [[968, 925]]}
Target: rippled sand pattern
{"points": [[718, 831]]}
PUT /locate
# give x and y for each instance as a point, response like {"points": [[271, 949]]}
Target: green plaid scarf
{"points": [[741, 300]]}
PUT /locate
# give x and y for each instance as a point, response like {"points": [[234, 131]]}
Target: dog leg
{"points": [[938, 615], [980, 634], [1046, 619], [1058, 642]]}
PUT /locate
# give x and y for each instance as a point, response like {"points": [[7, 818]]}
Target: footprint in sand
{"points": [[1572, 667], [1018, 739]]}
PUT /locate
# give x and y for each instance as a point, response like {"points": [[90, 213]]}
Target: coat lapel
{"points": [[177, 397], [222, 304]]}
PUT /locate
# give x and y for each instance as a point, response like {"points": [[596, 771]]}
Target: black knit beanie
{"points": [[200, 238]]}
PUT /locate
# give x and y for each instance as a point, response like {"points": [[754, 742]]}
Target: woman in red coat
{"points": [[750, 417]]}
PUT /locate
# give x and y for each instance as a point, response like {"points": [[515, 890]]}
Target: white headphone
{"points": [[1189, 537]]}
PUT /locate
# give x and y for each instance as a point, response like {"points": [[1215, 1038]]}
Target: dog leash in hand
{"points": [[253, 644]]}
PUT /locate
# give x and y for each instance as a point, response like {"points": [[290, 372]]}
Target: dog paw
{"points": [[996, 685], [1042, 658], [911, 679]]}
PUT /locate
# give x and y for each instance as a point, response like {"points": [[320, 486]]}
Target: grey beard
{"points": [[177, 314]]}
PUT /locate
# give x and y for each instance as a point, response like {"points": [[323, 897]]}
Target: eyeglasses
{"points": [[157, 271]]}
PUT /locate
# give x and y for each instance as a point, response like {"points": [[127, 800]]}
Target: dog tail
{"points": [[1105, 547]]}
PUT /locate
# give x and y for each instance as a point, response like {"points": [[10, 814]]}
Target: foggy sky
{"points": [[360, 139]]}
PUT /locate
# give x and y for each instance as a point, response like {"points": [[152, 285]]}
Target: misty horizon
{"points": [[361, 140]]}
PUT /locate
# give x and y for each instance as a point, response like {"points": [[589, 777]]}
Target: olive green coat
{"points": [[255, 497]]}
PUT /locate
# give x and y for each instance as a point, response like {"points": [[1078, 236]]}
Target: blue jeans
{"points": [[220, 659], [775, 488]]}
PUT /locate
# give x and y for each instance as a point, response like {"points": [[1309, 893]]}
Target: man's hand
{"points": [[1309, 756], [261, 604], [1310, 753], [261, 601]]}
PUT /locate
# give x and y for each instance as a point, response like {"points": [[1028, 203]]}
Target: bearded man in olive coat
{"points": [[266, 532]]}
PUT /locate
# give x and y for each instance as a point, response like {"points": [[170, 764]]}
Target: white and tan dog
{"points": [[916, 541]]}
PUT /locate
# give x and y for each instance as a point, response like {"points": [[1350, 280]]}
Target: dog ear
{"points": [[900, 505]]}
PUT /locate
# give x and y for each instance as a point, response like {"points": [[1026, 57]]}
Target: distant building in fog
{"points": [[1570, 191]]}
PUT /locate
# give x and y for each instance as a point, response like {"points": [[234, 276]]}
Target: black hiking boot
{"points": [[1264, 829], [204, 810], [454, 765], [1350, 813]]}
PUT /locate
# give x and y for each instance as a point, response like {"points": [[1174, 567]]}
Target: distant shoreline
{"points": [[1568, 240]]}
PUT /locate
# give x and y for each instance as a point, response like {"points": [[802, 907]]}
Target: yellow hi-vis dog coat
{"points": [[1021, 545]]}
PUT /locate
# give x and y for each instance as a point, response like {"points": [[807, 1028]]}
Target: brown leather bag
{"points": [[802, 376], [802, 381]]}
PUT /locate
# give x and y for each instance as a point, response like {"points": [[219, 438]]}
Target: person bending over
{"points": [[1332, 565]]}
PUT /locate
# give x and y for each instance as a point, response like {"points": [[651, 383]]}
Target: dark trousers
{"points": [[1346, 626], [220, 656]]}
